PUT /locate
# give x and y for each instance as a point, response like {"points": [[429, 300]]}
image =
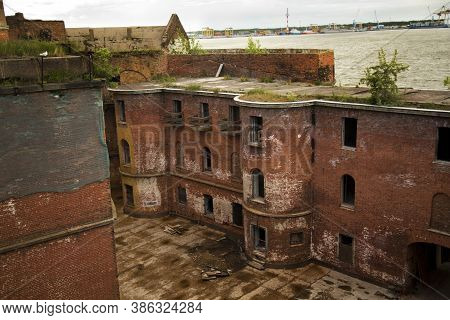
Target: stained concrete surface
{"points": [[153, 264]]}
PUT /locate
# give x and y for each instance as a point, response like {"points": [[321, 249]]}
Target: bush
{"points": [[254, 47], [266, 80], [447, 82], [382, 79], [103, 67], [244, 79], [182, 45]]}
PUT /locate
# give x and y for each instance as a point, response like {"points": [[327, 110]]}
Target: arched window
{"points": [[440, 213], [126, 158], [207, 164], [348, 190], [179, 154], [257, 184], [235, 165]]}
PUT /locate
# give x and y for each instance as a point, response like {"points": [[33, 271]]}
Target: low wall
{"points": [[29, 69], [135, 68], [294, 65]]}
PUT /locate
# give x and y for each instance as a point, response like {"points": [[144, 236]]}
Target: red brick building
{"points": [[56, 226], [364, 189]]}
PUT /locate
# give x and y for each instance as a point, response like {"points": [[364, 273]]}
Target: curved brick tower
{"points": [[3, 25], [276, 168]]}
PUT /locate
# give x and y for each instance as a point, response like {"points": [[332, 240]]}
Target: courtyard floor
{"points": [[154, 264]]}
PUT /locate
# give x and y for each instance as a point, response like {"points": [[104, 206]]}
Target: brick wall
{"points": [[76, 267], [301, 66], [21, 28], [136, 68], [56, 237]]}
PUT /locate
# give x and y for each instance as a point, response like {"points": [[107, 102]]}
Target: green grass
{"points": [[266, 80], [164, 79], [227, 77], [30, 48], [261, 95], [193, 87]]}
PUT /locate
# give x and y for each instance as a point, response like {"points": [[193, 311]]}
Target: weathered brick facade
{"points": [[293, 65], [21, 28], [302, 214], [56, 236]]}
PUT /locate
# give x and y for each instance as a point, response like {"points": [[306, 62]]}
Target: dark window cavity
{"points": [[350, 132], [297, 238], [182, 195], [443, 148], [121, 107], [259, 237], [255, 134], [126, 152], [129, 195], [348, 190], [346, 249], [208, 204], [235, 114], [258, 184], [204, 110], [176, 106], [237, 215], [207, 163]]}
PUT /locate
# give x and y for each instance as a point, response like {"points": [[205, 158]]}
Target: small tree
{"points": [[103, 67], [447, 82], [382, 78], [254, 47]]}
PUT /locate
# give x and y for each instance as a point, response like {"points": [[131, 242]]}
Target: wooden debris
{"points": [[173, 230], [213, 274]]}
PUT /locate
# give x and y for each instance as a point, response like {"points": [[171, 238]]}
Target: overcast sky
{"points": [[219, 14]]}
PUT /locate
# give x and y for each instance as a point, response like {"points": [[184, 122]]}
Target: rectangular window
{"points": [[346, 249], [256, 125], [204, 110], [350, 128], [259, 237], [209, 204], [182, 195], [122, 115], [235, 114], [237, 215], [443, 148], [129, 195], [297, 238], [176, 106]]}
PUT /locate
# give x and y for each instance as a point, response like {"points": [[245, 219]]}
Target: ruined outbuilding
{"points": [[127, 39]]}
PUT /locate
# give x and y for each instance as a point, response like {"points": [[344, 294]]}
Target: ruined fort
{"points": [[300, 178]]}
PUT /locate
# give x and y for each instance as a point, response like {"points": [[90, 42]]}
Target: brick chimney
{"points": [[4, 36]]}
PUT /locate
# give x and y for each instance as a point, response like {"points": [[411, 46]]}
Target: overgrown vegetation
{"points": [[164, 79], [103, 67], [31, 48], [244, 79], [382, 79], [227, 77], [447, 82], [266, 80], [182, 45], [193, 87], [261, 95], [254, 47]]}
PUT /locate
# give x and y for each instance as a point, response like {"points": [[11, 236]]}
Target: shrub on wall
{"points": [[382, 78], [447, 82], [254, 47], [182, 45], [103, 67]]}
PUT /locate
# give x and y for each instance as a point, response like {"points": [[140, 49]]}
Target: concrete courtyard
{"points": [[154, 264]]}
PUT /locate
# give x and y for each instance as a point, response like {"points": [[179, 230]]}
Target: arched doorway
{"points": [[429, 270]]}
